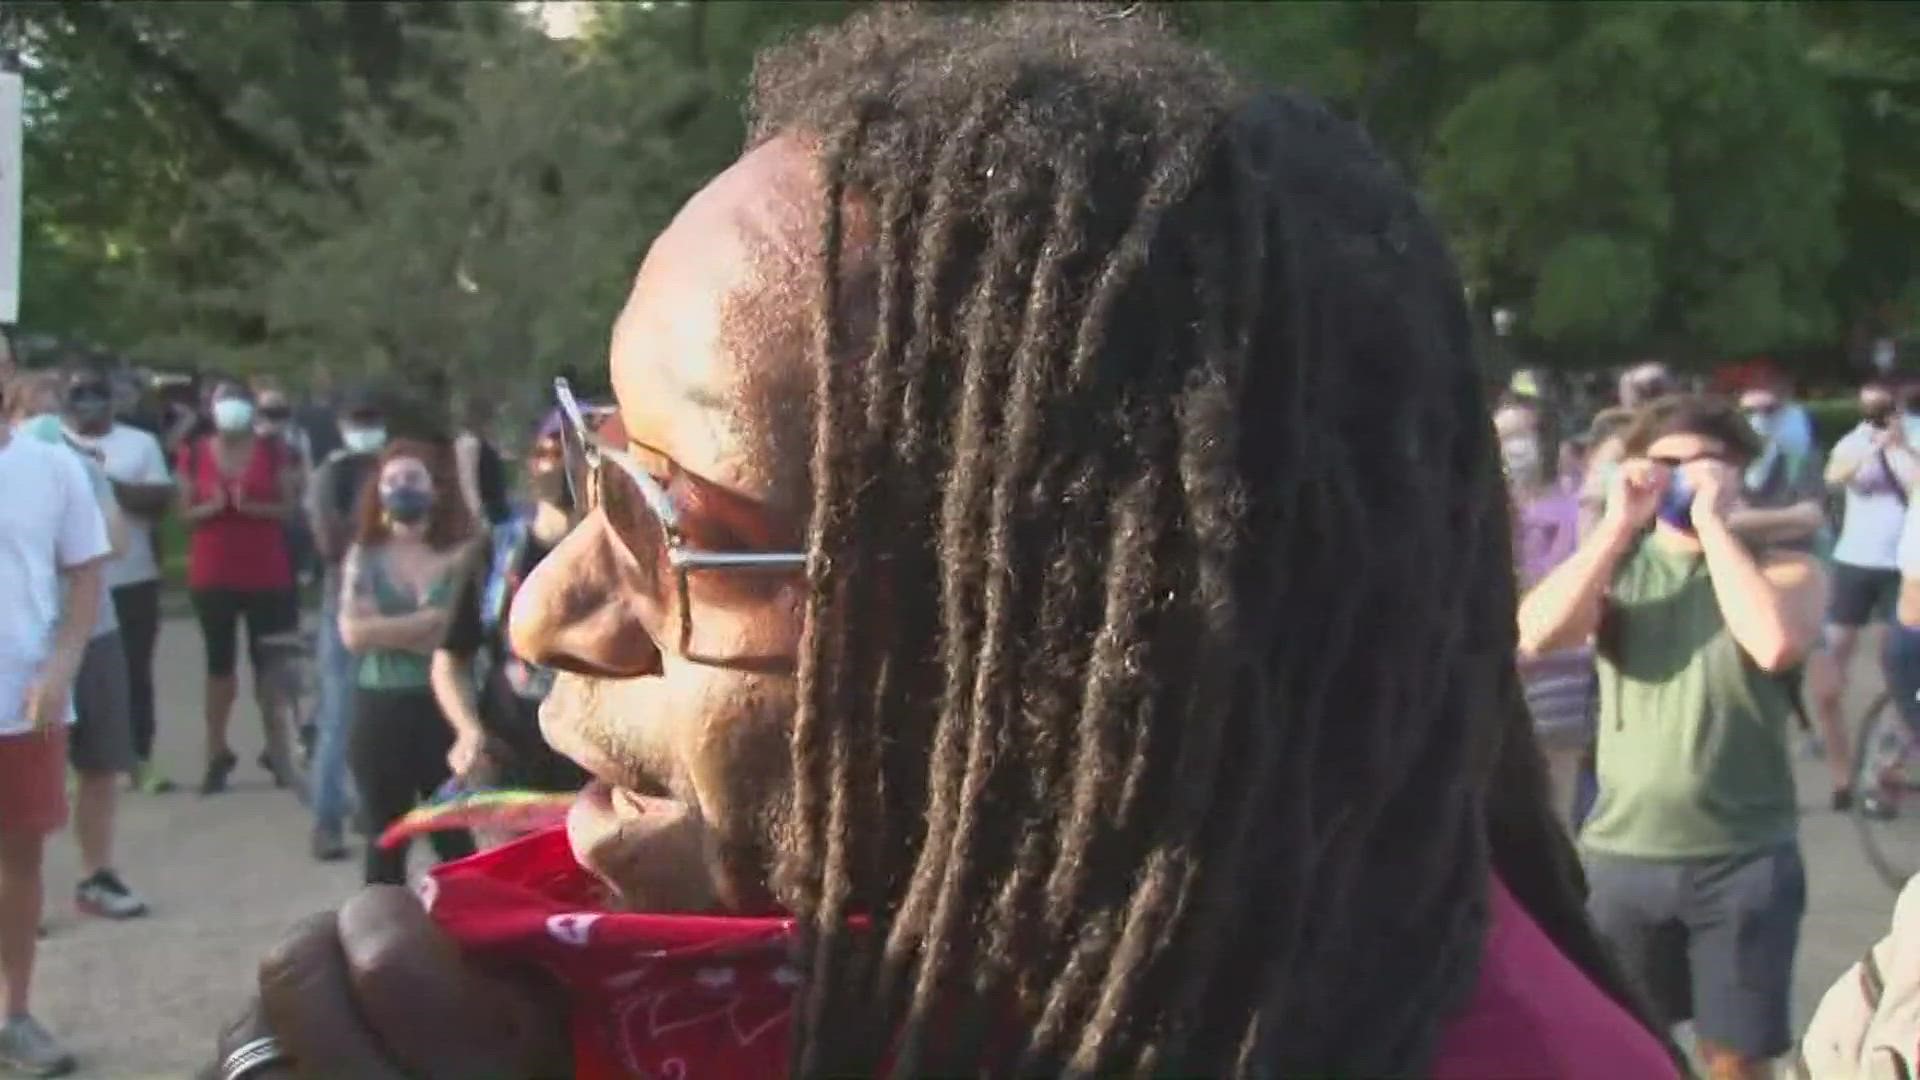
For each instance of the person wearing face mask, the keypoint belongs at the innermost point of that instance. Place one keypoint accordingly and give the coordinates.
(273, 420)
(497, 730)
(1697, 822)
(1546, 517)
(101, 743)
(332, 503)
(398, 582)
(1870, 466)
(1045, 610)
(1784, 506)
(236, 492)
(144, 489)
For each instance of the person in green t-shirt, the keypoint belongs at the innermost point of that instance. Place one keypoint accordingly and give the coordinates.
(1692, 852)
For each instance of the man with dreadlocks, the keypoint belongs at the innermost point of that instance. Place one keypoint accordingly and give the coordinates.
(1046, 608)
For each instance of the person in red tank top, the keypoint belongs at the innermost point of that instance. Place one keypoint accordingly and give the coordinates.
(237, 490)
(1044, 606)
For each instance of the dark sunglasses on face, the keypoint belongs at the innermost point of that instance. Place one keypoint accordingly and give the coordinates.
(89, 394)
(642, 515)
(276, 412)
(1672, 462)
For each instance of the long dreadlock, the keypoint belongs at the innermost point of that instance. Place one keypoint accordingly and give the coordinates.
(1196, 756)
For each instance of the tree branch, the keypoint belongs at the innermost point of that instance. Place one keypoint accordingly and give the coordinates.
(105, 21)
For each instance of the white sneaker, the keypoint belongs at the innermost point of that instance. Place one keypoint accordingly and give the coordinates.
(105, 895)
(26, 1047)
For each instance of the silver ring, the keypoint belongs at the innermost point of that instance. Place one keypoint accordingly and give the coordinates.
(250, 1058)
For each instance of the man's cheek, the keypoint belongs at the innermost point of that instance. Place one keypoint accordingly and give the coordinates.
(739, 754)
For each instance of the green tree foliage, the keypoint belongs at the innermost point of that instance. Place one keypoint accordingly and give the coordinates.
(423, 185)
(141, 117)
(1620, 176)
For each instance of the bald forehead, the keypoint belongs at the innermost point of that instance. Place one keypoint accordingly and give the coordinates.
(710, 349)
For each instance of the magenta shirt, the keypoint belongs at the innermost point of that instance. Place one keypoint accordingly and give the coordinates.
(1536, 1015)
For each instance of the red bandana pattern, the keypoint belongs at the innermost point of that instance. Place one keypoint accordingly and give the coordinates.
(659, 996)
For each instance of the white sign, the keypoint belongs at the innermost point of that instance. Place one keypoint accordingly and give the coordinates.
(9, 197)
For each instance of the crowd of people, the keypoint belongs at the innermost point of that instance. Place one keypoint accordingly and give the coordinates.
(1689, 598)
(414, 546)
(1044, 603)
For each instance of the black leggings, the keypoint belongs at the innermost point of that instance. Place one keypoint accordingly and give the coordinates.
(398, 753)
(266, 611)
(138, 609)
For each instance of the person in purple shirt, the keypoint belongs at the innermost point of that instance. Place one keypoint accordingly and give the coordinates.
(1546, 521)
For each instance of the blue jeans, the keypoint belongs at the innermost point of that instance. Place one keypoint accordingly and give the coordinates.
(332, 719)
(1902, 661)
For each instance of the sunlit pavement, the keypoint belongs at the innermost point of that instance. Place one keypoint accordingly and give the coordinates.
(226, 876)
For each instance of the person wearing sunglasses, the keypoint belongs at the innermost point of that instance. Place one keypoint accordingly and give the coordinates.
(1047, 608)
(1699, 637)
(492, 696)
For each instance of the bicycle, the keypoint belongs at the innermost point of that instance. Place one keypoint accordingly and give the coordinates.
(287, 663)
(1886, 787)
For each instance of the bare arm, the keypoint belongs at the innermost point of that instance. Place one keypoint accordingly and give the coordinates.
(362, 627)
(453, 691)
(1904, 464)
(52, 686)
(1563, 611)
(118, 531)
(1773, 608)
(1844, 464)
(1778, 525)
(144, 500)
(466, 457)
(193, 513)
(79, 613)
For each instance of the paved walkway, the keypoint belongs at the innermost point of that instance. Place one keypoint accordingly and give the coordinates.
(226, 877)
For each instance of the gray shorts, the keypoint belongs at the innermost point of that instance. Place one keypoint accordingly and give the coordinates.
(102, 737)
(1709, 940)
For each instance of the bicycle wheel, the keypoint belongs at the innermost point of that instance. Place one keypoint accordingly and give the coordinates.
(1886, 792)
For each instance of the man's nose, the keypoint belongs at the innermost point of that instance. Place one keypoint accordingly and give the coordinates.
(576, 613)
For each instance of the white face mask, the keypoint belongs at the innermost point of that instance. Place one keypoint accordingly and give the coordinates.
(233, 414)
(1521, 456)
(364, 440)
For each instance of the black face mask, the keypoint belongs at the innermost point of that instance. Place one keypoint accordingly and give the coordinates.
(89, 405)
(551, 487)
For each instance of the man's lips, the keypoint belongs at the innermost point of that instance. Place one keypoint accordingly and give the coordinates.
(601, 797)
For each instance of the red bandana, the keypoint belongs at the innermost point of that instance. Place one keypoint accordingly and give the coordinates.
(683, 996)
(669, 996)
